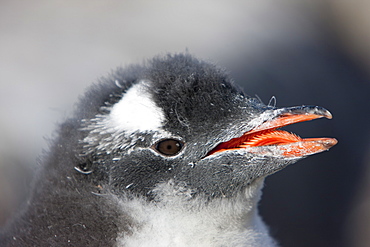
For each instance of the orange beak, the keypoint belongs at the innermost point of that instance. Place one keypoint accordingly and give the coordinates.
(290, 145)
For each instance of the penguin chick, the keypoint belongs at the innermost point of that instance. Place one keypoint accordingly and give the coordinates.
(169, 153)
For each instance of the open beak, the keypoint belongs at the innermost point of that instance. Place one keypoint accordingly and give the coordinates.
(286, 144)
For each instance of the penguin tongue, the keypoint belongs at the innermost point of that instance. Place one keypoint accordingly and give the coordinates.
(284, 143)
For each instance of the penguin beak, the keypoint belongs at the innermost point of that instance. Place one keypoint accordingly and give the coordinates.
(266, 139)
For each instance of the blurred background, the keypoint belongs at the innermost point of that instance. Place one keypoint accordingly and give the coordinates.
(314, 52)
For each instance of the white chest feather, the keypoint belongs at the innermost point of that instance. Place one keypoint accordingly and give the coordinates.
(179, 222)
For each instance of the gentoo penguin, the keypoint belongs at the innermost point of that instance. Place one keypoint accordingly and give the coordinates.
(168, 153)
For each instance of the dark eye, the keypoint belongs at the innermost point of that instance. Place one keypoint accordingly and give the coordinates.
(169, 147)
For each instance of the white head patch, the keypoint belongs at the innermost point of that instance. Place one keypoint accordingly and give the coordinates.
(136, 111)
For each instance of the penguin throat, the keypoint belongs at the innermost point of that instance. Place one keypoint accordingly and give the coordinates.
(257, 139)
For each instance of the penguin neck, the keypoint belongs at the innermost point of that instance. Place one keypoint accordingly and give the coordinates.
(175, 219)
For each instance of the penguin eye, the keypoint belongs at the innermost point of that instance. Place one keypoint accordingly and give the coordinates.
(169, 147)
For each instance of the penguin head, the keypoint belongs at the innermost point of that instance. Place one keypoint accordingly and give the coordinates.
(180, 121)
